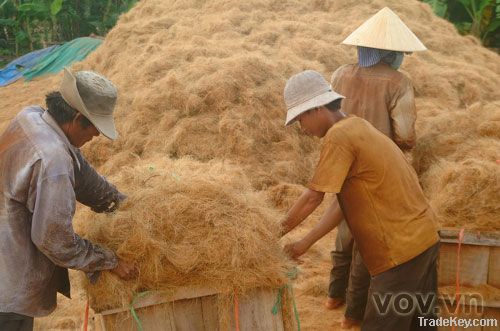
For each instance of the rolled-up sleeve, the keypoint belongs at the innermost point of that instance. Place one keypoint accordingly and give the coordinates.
(92, 189)
(403, 116)
(52, 230)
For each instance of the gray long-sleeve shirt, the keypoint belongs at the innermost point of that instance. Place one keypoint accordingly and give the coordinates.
(41, 176)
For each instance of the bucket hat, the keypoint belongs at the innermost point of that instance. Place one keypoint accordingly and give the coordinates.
(305, 91)
(94, 96)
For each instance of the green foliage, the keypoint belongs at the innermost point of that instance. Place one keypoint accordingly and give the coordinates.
(480, 18)
(55, 7)
(438, 6)
(28, 25)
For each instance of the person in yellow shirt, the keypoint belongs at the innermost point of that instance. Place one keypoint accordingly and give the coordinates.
(376, 91)
(379, 196)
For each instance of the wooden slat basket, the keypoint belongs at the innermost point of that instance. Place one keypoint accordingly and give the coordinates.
(198, 310)
(479, 270)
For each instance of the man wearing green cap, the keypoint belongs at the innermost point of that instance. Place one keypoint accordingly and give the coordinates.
(42, 175)
(379, 196)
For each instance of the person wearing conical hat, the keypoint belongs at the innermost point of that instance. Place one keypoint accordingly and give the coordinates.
(374, 87)
(379, 195)
(42, 175)
(376, 91)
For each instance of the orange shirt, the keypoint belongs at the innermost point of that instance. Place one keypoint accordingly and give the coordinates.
(382, 96)
(379, 193)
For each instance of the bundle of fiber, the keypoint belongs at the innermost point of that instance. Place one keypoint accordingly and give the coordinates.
(456, 135)
(466, 193)
(456, 159)
(186, 224)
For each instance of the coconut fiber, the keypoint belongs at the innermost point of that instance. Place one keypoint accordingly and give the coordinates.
(187, 224)
(200, 102)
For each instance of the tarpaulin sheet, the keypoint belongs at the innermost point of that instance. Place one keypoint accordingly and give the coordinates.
(14, 70)
(62, 56)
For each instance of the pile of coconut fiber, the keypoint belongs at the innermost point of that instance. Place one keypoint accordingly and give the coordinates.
(201, 86)
(187, 224)
(204, 79)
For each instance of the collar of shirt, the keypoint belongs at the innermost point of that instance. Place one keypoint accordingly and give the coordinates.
(53, 124)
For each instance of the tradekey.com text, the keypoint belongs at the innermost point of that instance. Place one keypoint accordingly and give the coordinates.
(457, 322)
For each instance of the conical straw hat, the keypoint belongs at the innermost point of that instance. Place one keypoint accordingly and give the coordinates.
(385, 30)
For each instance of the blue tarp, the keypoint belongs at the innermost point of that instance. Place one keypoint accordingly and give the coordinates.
(64, 55)
(49, 60)
(14, 70)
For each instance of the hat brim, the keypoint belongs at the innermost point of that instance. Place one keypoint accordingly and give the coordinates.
(385, 30)
(318, 101)
(69, 91)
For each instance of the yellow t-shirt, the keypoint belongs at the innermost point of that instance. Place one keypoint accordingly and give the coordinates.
(379, 193)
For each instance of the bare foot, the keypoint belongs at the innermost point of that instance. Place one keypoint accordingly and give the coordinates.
(333, 303)
(348, 323)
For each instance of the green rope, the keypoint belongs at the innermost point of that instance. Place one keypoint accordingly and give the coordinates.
(278, 304)
(132, 309)
(292, 274)
(295, 311)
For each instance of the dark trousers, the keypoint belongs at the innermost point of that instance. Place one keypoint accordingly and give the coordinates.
(15, 322)
(414, 280)
(357, 291)
(349, 277)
